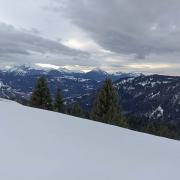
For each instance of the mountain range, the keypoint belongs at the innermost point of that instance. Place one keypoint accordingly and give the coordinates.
(20, 80)
(156, 97)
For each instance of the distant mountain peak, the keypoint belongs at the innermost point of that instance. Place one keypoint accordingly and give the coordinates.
(19, 69)
(98, 70)
(130, 74)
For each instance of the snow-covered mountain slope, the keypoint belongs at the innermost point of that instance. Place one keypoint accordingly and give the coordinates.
(154, 97)
(42, 145)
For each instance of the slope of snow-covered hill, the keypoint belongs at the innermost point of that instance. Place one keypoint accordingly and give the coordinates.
(43, 145)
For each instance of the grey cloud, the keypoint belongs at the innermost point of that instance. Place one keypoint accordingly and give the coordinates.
(135, 31)
(17, 44)
(139, 27)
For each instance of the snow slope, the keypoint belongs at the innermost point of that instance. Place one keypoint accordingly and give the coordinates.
(42, 145)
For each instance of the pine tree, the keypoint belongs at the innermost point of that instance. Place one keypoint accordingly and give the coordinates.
(106, 107)
(41, 97)
(59, 105)
(77, 111)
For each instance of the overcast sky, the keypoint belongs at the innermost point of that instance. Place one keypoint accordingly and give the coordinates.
(115, 35)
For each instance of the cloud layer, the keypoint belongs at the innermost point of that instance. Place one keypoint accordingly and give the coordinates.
(138, 27)
(117, 35)
(16, 44)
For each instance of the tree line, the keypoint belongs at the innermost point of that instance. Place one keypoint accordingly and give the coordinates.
(41, 98)
(106, 109)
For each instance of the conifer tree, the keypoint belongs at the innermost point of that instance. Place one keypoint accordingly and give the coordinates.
(106, 107)
(41, 97)
(77, 111)
(59, 105)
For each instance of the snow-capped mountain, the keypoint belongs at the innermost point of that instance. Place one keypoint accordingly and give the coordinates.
(38, 144)
(26, 69)
(97, 74)
(22, 79)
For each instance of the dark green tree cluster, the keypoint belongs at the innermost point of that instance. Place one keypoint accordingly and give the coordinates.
(59, 104)
(41, 97)
(106, 108)
(159, 128)
(77, 111)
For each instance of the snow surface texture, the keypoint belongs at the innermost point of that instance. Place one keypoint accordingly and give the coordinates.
(42, 145)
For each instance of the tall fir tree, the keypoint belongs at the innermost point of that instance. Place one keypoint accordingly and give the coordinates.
(41, 97)
(106, 108)
(58, 104)
(77, 111)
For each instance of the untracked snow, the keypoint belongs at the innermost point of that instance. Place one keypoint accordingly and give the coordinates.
(41, 145)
